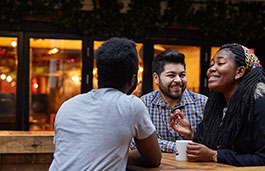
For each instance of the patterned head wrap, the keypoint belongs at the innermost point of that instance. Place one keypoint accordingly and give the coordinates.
(251, 59)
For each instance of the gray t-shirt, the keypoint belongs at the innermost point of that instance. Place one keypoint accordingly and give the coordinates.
(93, 130)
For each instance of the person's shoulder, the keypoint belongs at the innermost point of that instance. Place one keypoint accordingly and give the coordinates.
(69, 105)
(259, 108)
(259, 96)
(74, 98)
(131, 97)
(260, 90)
(133, 104)
(260, 101)
(130, 100)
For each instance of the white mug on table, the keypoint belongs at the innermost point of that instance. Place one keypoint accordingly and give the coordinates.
(181, 149)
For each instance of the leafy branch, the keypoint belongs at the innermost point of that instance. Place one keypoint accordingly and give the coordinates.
(213, 18)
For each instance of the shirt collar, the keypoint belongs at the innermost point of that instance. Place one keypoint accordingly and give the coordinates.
(186, 99)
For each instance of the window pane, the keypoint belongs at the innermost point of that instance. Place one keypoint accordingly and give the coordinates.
(192, 60)
(55, 74)
(139, 48)
(8, 75)
(213, 51)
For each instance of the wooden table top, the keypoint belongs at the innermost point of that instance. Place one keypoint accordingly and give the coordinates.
(26, 133)
(21, 142)
(169, 162)
(42, 142)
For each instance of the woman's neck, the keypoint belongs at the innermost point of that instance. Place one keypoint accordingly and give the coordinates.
(229, 94)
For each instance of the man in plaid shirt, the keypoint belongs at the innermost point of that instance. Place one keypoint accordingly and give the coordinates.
(170, 76)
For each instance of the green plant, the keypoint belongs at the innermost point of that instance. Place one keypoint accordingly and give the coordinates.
(214, 18)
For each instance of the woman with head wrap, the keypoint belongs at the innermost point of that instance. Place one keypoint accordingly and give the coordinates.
(233, 128)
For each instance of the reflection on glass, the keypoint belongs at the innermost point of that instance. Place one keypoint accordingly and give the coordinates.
(139, 48)
(8, 75)
(55, 74)
(192, 60)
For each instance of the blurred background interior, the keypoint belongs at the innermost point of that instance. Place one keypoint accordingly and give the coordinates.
(47, 50)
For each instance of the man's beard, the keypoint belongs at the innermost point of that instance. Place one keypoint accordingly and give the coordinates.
(166, 91)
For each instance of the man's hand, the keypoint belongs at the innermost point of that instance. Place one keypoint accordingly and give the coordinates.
(199, 152)
(181, 124)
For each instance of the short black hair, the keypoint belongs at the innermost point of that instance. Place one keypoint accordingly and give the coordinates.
(170, 56)
(117, 62)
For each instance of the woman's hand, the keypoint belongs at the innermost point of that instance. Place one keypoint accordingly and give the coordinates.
(181, 124)
(199, 152)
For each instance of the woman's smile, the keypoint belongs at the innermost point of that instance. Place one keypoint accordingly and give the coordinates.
(213, 78)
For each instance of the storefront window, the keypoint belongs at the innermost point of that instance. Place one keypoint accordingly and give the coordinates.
(55, 74)
(139, 48)
(213, 51)
(192, 60)
(8, 77)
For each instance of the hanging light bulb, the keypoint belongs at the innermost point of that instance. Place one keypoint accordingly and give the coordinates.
(3, 76)
(14, 44)
(9, 78)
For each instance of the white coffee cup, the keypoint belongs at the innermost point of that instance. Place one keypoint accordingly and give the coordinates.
(181, 149)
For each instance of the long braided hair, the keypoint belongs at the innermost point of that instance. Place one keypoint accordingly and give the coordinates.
(218, 132)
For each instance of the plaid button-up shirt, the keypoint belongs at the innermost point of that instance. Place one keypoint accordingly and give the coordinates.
(191, 105)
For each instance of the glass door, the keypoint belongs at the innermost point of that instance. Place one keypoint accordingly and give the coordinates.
(8, 77)
(55, 76)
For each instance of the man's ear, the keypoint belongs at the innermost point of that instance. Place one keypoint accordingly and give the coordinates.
(156, 78)
(240, 72)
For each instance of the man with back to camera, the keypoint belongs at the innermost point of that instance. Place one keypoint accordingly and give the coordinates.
(170, 76)
(93, 130)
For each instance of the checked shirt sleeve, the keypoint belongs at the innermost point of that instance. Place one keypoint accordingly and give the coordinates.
(166, 146)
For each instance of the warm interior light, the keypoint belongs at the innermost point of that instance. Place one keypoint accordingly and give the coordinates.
(95, 70)
(13, 84)
(158, 47)
(9, 78)
(53, 51)
(3, 76)
(35, 85)
(50, 43)
(141, 69)
(14, 44)
(75, 78)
